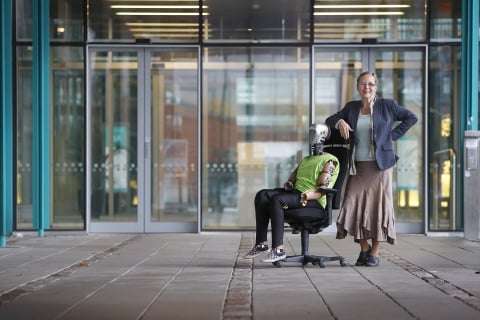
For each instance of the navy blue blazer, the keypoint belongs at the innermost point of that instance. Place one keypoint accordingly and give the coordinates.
(386, 113)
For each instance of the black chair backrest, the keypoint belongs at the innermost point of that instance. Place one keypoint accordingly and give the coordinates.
(342, 149)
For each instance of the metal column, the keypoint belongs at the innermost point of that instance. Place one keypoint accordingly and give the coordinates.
(41, 115)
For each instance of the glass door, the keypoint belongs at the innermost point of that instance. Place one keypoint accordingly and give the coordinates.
(142, 147)
(171, 139)
(401, 74)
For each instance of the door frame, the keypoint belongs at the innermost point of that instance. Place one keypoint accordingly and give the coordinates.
(144, 152)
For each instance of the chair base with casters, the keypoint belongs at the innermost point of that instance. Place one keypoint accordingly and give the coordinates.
(308, 221)
(305, 258)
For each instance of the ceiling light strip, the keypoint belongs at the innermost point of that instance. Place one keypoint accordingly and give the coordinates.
(363, 6)
(156, 30)
(393, 13)
(154, 7)
(130, 1)
(161, 24)
(159, 14)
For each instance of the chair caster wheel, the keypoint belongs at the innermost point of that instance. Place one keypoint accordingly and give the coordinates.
(277, 264)
(343, 263)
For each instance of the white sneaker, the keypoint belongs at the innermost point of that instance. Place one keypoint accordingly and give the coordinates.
(275, 255)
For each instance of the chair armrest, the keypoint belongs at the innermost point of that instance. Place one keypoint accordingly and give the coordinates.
(329, 192)
(326, 190)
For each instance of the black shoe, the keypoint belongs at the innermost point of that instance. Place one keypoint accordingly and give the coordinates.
(372, 261)
(362, 257)
(256, 251)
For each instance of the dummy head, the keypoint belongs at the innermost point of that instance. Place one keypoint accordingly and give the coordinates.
(318, 133)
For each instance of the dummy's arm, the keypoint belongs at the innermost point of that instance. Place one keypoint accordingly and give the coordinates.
(326, 176)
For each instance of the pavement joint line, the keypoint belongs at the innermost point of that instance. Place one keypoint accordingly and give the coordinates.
(168, 283)
(238, 299)
(434, 280)
(38, 283)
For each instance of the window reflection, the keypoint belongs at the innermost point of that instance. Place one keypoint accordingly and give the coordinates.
(156, 20)
(255, 124)
(400, 74)
(68, 147)
(174, 121)
(444, 141)
(66, 20)
(113, 145)
(257, 20)
(397, 20)
(24, 20)
(446, 20)
(24, 145)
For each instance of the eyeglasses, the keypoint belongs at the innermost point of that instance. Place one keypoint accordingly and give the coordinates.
(367, 84)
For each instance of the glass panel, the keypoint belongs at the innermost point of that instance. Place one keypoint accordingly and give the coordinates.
(113, 139)
(385, 21)
(68, 147)
(158, 20)
(24, 20)
(444, 145)
(24, 146)
(255, 125)
(335, 78)
(174, 96)
(66, 20)
(259, 20)
(401, 77)
(446, 20)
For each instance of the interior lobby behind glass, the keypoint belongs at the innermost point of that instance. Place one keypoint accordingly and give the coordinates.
(232, 88)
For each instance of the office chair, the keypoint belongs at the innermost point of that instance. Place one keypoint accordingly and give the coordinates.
(308, 221)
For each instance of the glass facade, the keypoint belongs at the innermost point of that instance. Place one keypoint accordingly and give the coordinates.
(66, 20)
(255, 112)
(369, 21)
(24, 146)
(173, 116)
(67, 115)
(67, 135)
(400, 72)
(444, 143)
(444, 113)
(194, 106)
(258, 21)
(445, 21)
(113, 135)
(156, 21)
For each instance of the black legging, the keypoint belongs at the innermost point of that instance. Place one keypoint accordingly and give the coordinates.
(269, 205)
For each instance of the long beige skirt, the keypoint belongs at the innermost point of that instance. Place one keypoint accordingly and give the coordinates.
(367, 209)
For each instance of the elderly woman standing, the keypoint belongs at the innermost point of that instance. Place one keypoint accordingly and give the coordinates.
(367, 211)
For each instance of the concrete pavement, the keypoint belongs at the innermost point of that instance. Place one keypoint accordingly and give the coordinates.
(203, 276)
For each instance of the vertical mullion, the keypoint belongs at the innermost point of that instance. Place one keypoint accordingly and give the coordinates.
(41, 115)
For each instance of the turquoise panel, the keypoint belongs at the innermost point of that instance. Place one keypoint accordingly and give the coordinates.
(6, 190)
(41, 116)
(470, 13)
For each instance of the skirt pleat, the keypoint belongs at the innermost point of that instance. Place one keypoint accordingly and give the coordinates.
(367, 209)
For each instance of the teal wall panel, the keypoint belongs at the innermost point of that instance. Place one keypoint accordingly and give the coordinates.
(41, 116)
(6, 189)
(470, 12)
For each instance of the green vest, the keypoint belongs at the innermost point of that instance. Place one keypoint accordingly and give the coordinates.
(310, 169)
